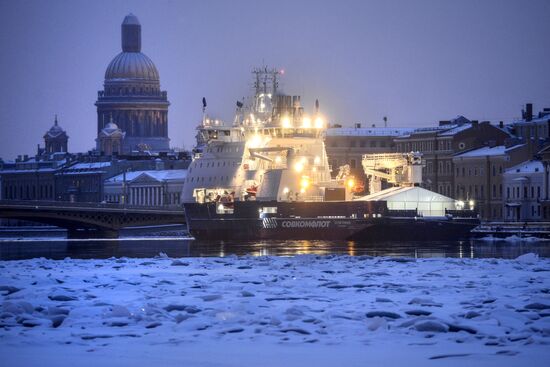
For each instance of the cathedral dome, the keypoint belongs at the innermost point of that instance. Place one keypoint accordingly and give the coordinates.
(55, 130)
(111, 129)
(131, 64)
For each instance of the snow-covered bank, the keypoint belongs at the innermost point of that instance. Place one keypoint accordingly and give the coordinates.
(246, 311)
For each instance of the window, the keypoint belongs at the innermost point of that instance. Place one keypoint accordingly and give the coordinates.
(538, 192)
(508, 193)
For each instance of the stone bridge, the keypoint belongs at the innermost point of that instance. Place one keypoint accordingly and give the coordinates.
(80, 219)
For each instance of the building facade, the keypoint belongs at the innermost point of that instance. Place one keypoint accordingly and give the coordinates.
(479, 176)
(132, 97)
(524, 187)
(533, 126)
(146, 188)
(32, 178)
(439, 144)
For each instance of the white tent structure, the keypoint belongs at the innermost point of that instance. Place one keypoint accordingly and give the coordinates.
(428, 203)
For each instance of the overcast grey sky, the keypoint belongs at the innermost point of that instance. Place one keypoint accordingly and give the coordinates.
(417, 62)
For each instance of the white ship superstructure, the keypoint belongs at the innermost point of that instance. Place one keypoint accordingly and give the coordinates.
(272, 151)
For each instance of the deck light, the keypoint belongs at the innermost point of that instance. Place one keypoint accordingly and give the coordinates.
(286, 122)
(306, 122)
(319, 123)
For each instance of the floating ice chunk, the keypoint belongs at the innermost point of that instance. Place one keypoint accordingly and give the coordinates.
(119, 311)
(296, 330)
(386, 314)
(457, 327)
(377, 323)
(537, 306)
(186, 308)
(432, 326)
(57, 320)
(211, 297)
(471, 315)
(528, 259)
(55, 311)
(179, 263)
(424, 302)
(418, 313)
(30, 322)
(17, 308)
(6, 290)
(62, 298)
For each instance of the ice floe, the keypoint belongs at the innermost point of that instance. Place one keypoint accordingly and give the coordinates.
(493, 310)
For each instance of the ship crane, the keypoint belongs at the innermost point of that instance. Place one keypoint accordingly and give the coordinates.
(400, 169)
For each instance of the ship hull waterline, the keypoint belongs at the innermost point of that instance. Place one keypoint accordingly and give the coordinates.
(378, 229)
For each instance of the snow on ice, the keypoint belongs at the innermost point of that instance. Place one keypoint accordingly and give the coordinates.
(273, 311)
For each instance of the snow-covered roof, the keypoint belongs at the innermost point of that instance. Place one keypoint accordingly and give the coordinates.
(90, 166)
(487, 151)
(526, 167)
(455, 130)
(427, 130)
(375, 131)
(160, 175)
(534, 120)
(484, 151)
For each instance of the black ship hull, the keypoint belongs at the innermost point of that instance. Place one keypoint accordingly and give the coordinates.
(362, 221)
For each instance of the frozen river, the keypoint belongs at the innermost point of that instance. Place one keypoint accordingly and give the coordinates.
(172, 301)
